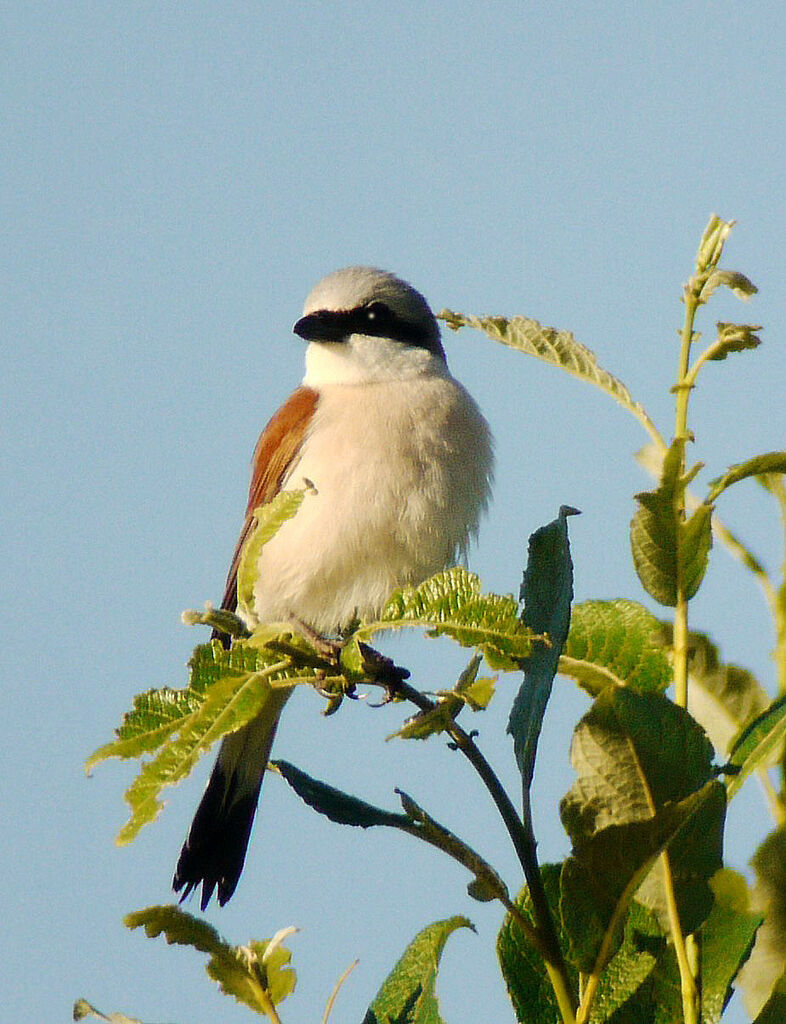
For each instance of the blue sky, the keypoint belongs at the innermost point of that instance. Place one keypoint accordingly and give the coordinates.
(176, 178)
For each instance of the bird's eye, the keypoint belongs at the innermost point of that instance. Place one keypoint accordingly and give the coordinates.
(376, 311)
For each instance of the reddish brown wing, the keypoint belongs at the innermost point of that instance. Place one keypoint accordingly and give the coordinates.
(276, 448)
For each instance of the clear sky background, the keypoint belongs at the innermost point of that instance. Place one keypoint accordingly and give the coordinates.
(176, 177)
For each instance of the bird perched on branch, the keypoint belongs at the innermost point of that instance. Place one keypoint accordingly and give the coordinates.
(399, 461)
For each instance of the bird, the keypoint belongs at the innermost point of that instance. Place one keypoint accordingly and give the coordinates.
(398, 460)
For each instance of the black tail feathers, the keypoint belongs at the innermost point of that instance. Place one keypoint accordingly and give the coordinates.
(215, 848)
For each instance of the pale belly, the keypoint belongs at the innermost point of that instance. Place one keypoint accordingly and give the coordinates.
(396, 499)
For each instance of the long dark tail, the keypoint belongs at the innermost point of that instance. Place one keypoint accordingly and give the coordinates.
(215, 849)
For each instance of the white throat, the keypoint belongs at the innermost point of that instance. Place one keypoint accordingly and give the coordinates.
(362, 359)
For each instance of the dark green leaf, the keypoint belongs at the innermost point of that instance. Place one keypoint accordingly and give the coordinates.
(653, 533)
(408, 995)
(633, 754)
(487, 884)
(725, 940)
(547, 590)
(527, 980)
(523, 967)
(604, 871)
(696, 541)
(333, 803)
(615, 643)
(774, 1010)
(627, 975)
(349, 810)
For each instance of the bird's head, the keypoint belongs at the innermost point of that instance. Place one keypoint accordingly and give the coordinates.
(365, 325)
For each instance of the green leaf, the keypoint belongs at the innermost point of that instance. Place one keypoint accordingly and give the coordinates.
(696, 541)
(227, 688)
(725, 940)
(653, 533)
(353, 662)
(763, 978)
(428, 723)
(628, 974)
(656, 536)
(451, 604)
(559, 348)
(604, 871)
(231, 703)
(527, 981)
(256, 975)
(546, 591)
(771, 462)
(633, 755)
(478, 696)
(155, 716)
(758, 742)
(408, 995)
(615, 643)
(217, 618)
(269, 518)
(471, 690)
(523, 967)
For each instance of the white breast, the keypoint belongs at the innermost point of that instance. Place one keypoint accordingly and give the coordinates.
(402, 474)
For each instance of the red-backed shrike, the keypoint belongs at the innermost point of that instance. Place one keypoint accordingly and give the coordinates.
(399, 457)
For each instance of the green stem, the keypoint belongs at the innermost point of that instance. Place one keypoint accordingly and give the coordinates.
(692, 300)
(690, 1009)
(587, 998)
(684, 386)
(562, 992)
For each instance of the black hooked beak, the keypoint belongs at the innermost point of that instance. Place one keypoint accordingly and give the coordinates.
(324, 325)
